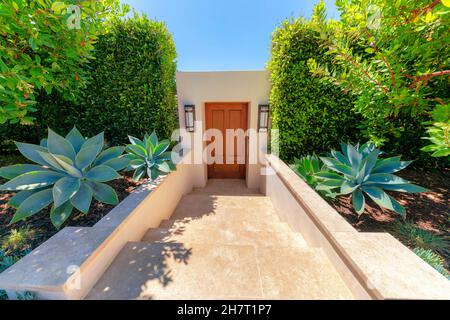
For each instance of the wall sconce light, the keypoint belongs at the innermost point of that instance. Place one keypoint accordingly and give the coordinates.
(263, 117)
(189, 112)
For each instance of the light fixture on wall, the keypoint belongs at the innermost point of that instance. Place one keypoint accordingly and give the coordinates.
(189, 112)
(263, 117)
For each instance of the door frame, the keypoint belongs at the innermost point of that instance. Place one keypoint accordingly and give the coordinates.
(247, 106)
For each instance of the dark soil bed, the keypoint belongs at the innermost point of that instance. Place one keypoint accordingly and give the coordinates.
(429, 211)
(40, 225)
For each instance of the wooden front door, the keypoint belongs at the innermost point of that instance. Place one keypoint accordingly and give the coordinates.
(230, 162)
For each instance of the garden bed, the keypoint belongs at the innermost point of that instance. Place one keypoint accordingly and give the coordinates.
(30, 233)
(427, 213)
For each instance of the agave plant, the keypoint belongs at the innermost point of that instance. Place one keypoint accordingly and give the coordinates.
(69, 172)
(359, 171)
(307, 168)
(149, 157)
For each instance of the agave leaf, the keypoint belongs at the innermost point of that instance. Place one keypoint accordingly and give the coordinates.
(109, 154)
(117, 164)
(137, 150)
(154, 173)
(31, 152)
(355, 158)
(20, 197)
(335, 165)
(102, 173)
(154, 139)
(340, 157)
(165, 156)
(104, 193)
(83, 198)
(33, 205)
(136, 141)
(67, 165)
(87, 156)
(390, 165)
(64, 189)
(370, 161)
(32, 180)
(358, 201)
(335, 183)
(383, 199)
(10, 172)
(329, 175)
(44, 143)
(161, 148)
(59, 215)
(163, 167)
(139, 173)
(76, 139)
(59, 145)
(50, 160)
(348, 187)
(410, 188)
(97, 140)
(385, 178)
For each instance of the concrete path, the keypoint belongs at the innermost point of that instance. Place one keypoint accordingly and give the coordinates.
(222, 242)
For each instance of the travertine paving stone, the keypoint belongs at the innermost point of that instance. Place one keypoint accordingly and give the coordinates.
(222, 242)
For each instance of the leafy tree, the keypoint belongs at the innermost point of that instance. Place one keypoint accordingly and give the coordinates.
(393, 55)
(45, 45)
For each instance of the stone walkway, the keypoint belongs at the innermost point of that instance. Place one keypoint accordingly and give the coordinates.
(222, 242)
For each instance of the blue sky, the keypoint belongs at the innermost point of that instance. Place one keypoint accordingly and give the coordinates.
(220, 35)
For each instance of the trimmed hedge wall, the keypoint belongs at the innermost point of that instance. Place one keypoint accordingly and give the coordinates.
(132, 90)
(311, 116)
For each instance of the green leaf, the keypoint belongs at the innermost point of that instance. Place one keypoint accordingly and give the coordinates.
(60, 146)
(33, 205)
(59, 215)
(390, 165)
(161, 148)
(383, 199)
(31, 152)
(67, 165)
(76, 139)
(410, 188)
(348, 187)
(154, 173)
(87, 156)
(97, 140)
(153, 139)
(163, 167)
(102, 173)
(117, 164)
(139, 173)
(83, 198)
(137, 150)
(32, 180)
(104, 193)
(109, 154)
(64, 189)
(20, 197)
(358, 201)
(136, 141)
(10, 172)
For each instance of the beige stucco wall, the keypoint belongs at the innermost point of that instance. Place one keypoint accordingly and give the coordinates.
(198, 88)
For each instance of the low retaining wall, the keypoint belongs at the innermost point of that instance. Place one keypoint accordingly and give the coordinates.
(69, 264)
(373, 265)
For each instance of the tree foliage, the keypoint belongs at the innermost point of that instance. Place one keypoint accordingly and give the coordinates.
(393, 55)
(46, 45)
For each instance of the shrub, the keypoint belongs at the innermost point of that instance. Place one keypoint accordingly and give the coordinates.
(69, 172)
(358, 171)
(312, 116)
(17, 241)
(41, 50)
(132, 90)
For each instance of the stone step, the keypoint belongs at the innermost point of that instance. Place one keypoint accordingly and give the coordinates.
(226, 236)
(226, 223)
(210, 271)
(226, 187)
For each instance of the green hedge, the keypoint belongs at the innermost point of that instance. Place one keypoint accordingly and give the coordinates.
(312, 116)
(132, 90)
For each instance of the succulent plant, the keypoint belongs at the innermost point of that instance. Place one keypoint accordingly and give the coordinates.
(69, 172)
(149, 157)
(307, 168)
(359, 171)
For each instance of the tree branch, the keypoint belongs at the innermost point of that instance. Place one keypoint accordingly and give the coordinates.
(427, 77)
